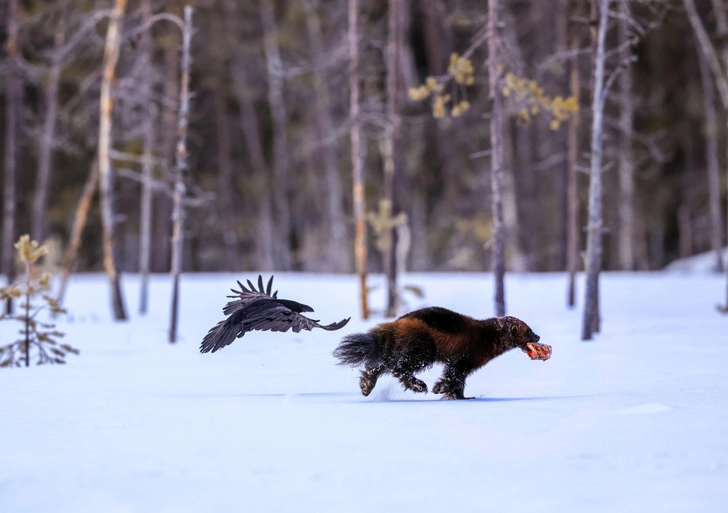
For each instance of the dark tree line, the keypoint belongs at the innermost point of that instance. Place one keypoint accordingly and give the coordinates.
(278, 111)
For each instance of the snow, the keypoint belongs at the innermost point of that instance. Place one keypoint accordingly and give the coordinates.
(635, 421)
(701, 263)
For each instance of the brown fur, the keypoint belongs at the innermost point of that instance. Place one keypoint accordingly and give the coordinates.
(431, 335)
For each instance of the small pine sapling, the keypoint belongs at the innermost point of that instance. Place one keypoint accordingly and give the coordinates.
(383, 223)
(37, 337)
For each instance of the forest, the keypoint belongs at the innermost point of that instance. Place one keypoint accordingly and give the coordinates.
(415, 136)
(539, 185)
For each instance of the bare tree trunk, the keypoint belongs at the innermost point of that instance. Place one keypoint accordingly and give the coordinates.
(721, 80)
(685, 230)
(626, 155)
(162, 210)
(357, 159)
(392, 147)
(265, 228)
(591, 319)
(251, 136)
(562, 15)
(496, 159)
(280, 139)
(711, 135)
(79, 223)
(106, 179)
(572, 246)
(45, 156)
(714, 181)
(13, 99)
(145, 215)
(224, 147)
(337, 252)
(179, 182)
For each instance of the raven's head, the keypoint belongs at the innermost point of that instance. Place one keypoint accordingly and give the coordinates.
(294, 306)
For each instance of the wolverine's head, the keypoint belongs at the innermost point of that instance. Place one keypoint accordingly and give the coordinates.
(522, 336)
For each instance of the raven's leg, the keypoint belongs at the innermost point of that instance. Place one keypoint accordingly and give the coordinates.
(369, 378)
(452, 382)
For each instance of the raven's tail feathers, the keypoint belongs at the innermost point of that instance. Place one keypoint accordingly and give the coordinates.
(335, 325)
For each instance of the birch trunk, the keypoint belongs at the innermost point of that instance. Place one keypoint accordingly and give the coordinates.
(106, 179)
(572, 246)
(719, 74)
(179, 182)
(562, 26)
(280, 139)
(12, 103)
(45, 155)
(79, 223)
(496, 171)
(161, 257)
(626, 155)
(265, 228)
(357, 158)
(711, 135)
(336, 251)
(145, 215)
(226, 186)
(722, 21)
(591, 319)
(392, 147)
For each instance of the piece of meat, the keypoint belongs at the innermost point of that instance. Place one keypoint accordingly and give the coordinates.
(538, 351)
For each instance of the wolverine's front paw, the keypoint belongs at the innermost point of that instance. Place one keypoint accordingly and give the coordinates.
(439, 388)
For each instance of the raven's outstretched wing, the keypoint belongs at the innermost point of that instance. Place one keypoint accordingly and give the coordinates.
(257, 309)
(277, 317)
(246, 296)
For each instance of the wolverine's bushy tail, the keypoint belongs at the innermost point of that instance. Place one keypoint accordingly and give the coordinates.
(358, 348)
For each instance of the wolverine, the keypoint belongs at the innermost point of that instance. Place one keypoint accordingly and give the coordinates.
(419, 339)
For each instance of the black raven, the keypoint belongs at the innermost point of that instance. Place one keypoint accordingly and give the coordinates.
(257, 309)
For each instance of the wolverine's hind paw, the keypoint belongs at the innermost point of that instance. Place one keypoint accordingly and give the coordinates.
(366, 387)
(416, 385)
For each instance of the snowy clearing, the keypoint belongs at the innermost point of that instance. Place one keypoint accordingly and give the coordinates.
(702, 263)
(634, 422)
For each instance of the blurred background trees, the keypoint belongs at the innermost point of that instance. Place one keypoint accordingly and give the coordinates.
(269, 151)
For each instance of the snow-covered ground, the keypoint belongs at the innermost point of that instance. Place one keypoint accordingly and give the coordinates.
(701, 263)
(636, 421)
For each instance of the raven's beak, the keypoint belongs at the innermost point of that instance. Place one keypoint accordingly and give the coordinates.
(306, 308)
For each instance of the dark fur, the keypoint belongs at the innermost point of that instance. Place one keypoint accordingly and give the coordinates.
(417, 340)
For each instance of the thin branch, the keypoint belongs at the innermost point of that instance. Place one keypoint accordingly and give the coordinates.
(708, 50)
